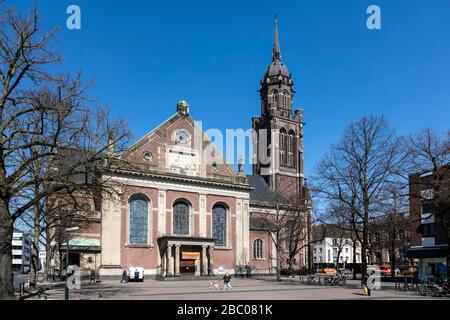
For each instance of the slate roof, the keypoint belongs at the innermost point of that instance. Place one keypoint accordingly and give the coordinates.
(261, 192)
(82, 164)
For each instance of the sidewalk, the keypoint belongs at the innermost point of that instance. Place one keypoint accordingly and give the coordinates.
(297, 280)
(43, 287)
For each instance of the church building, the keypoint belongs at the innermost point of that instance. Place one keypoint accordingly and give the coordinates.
(182, 210)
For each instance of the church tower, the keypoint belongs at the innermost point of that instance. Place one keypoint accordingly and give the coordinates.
(278, 144)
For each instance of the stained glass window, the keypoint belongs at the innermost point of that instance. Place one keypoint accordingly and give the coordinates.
(258, 249)
(181, 218)
(219, 225)
(138, 220)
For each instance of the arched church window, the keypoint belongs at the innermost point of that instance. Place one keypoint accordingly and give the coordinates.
(258, 249)
(283, 138)
(181, 218)
(138, 220)
(219, 225)
(274, 96)
(290, 148)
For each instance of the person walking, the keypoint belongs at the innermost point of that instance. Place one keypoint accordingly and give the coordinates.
(92, 278)
(368, 283)
(364, 281)
(226, 282)
(136, 276)
(124, 277)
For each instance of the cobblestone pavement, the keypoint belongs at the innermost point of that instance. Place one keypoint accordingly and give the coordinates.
(243, 289)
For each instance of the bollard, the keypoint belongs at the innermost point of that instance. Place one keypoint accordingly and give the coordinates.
(404, 287)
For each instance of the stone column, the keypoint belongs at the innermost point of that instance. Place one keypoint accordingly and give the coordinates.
(177, 259)
(211, 260)
(197, 268)
(169, 263)
(161, 212)
(204, 262)
(164, 265)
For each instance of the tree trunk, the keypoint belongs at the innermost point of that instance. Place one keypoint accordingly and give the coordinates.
(278, 263)
(46, 275)
(354, 259)
(6, 234)
(364, 248)
(392, 257)
(291, 263)
(35, 247)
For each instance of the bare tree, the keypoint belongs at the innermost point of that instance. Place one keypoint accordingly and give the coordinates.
(355, 171)
(391, 227)
(43, 117)
(336, 221)
(286, 220)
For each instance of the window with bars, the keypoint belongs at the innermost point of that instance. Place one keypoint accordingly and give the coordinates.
(258, 249)
(181, 218)
(138, 220)
(219, 225)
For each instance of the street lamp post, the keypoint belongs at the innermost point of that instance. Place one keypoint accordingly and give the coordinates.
(66, 289)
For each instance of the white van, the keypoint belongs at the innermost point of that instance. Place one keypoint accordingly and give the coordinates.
(132, 271)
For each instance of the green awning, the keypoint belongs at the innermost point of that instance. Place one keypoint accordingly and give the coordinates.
(83, 244)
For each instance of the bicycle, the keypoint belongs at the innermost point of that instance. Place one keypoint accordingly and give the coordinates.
(313, 281)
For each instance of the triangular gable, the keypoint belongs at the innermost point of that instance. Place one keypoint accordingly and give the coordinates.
(157, 140)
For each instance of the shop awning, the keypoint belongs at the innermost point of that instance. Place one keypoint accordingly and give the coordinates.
(83, 244)
(428, 252)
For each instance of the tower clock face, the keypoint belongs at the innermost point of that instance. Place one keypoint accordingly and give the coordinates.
(183, 136)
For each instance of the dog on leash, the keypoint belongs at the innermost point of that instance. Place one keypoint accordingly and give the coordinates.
(214, 285)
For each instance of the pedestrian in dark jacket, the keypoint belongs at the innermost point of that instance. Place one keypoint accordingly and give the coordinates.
(92, 277)
(136, 276)
(226, 282)
(124, 277)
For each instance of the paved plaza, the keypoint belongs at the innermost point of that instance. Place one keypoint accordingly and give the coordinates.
(243, 289)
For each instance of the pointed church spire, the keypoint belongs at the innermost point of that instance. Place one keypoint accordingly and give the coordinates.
(276, 54)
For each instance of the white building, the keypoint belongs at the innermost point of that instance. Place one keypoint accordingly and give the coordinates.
(328, 249)
(21, 251)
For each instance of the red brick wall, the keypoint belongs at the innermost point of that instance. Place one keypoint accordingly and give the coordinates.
(223, 257)
(415, 210)
(141, 257)
(267, 250)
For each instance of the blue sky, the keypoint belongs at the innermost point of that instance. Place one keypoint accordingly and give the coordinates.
(146, 55)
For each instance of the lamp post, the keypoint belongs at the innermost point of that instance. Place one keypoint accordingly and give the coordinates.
(66, 289)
